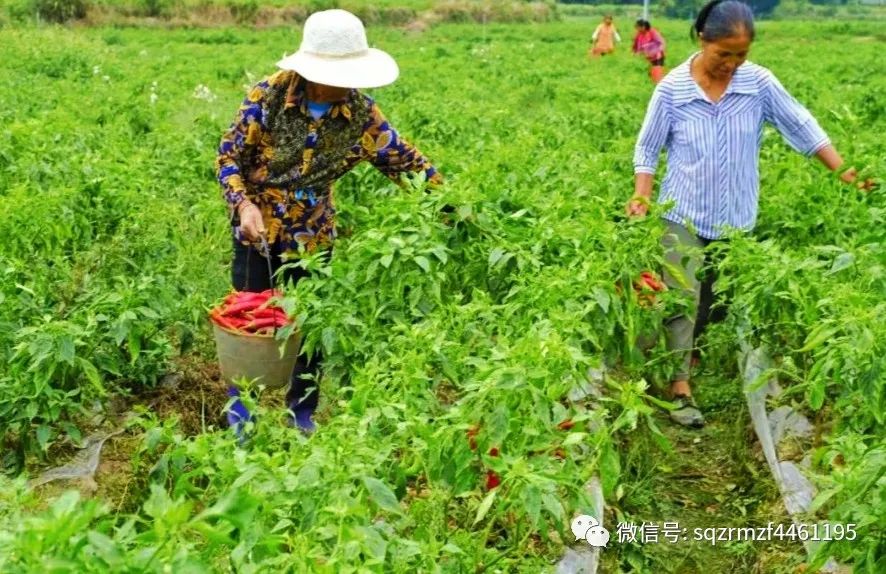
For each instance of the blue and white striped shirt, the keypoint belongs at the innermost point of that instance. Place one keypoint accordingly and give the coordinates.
(714, 148)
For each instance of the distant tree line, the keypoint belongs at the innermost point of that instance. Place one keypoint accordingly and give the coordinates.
(688, 8)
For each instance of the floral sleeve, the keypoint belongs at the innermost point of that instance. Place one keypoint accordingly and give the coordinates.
(238, 145)
(391, 154)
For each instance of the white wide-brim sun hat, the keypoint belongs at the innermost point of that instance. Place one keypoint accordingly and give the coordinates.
(334, 51)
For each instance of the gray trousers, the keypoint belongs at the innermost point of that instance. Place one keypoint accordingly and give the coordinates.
(687, 271)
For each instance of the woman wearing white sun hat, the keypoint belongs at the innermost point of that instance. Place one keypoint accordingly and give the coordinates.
(295, 134)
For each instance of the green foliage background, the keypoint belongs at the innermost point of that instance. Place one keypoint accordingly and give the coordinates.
(114, 243)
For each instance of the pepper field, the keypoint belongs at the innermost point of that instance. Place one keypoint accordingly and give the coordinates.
(446, 342)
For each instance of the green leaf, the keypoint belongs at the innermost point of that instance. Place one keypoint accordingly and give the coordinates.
(91, 373)
(66, 351)
(104, 547)
(135, 346)
(822, 497)
(610, 468)
(386, 260)
(660, 439)
(423, 262)
(148, 313)
(532, 504)
(574, 438)
(72, 431)
(678, 273)
(841, 262)
(660, 403)
(451, 549)
(328, 338)
(382, 495)
(374, 542)
(816, 337)
(43, 435)
(815, 394)
(552, 505)
(602, 299)
(485, 505)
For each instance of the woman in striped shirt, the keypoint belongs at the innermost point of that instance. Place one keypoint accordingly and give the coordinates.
(708, 114)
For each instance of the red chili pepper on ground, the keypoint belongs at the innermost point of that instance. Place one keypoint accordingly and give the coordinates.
(566, 424)
(472, 437)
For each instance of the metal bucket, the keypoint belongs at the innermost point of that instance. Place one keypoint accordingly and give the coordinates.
(255, 357)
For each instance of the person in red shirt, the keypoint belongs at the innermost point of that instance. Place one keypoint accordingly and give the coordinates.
(650, 44)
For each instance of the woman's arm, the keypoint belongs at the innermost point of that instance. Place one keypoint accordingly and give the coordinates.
(792, 119)
(653, 137)
(391, 154)
(830, 157)
(243, 135)
(639, 203)
(802, 131)
(236, 144)
(659, 39)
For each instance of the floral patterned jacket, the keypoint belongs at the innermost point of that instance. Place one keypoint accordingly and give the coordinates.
(285, 162)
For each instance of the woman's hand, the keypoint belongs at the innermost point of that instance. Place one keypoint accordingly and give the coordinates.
(252, 226)
(851, 175)
(638, 206)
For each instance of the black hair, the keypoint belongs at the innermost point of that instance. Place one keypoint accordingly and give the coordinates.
(643, 23)
(720, 19)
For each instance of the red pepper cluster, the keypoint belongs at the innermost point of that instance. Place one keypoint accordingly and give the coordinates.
(248, 313)
(646, 286)
(493, 480)
(649, 280)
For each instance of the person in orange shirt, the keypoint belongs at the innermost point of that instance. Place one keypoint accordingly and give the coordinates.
(604, 38)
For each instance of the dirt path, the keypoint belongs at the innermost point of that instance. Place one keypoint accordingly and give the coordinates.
(715, 477)
(192, 393)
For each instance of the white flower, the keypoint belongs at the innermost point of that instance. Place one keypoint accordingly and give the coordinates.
(96, 70)
(202, 92)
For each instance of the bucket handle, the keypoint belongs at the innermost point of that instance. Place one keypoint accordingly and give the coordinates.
(265, 250)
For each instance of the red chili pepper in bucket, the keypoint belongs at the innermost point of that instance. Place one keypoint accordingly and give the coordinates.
(249, 313)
